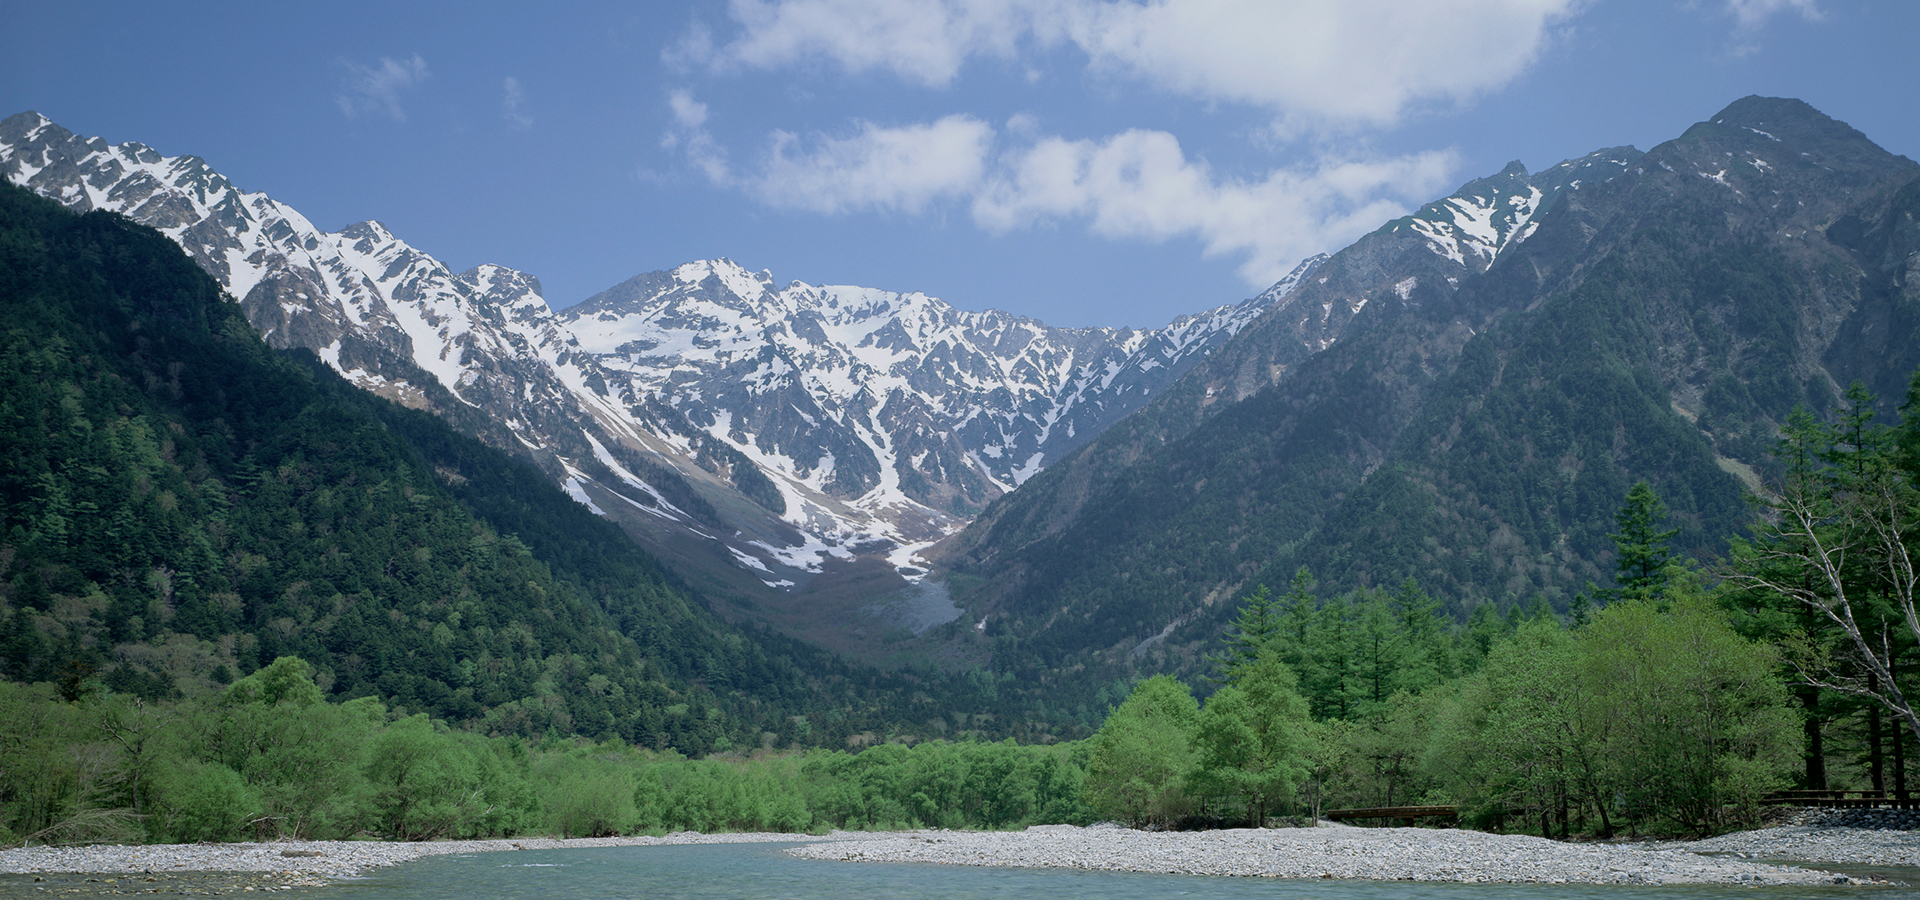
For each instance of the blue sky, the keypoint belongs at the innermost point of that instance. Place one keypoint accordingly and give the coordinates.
(1084, 162)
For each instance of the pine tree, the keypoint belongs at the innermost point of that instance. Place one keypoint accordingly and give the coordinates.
(1254, 628)
(1641, 570)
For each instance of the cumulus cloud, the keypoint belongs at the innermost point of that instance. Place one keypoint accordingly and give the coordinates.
(1327, 60)
(376, 89)
(1141, 184)
(899, 169)
(513, 104)
(1136, 185)
(925, 41)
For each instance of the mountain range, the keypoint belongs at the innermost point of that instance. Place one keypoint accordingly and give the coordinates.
(1657, 319)
(1459, 398)
(751, 433)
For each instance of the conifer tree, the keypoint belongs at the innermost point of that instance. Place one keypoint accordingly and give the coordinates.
(1253, 628)
(1641, 570)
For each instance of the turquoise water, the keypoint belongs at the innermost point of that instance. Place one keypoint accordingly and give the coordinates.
(762, 872)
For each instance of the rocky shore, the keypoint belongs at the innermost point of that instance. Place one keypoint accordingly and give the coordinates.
(282, 864)
(1384, 854)
(1328, 851)
(1853, 837)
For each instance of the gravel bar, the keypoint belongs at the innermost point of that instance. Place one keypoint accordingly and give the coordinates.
(1859, 837)
(312, 863)
(1328, 851)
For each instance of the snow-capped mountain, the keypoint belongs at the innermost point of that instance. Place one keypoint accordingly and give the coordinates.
(379, 311)
(1416, 259)
(792, 425)
(877, 397)
(707, 407)
(480, 347)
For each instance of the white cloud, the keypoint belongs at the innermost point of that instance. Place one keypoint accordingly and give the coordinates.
(1140, 184)
(898, 169)
(1136, 185)
(377, 89)
(513, 105)
(921, 40)
(888, 169)
(689, 134)
(1327, 60)
(1359, 60)
(1751, 14)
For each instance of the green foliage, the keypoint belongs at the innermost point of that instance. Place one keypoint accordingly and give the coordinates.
(1644, 716)
(180, 506)
(1253, 737)
(202, 801)
(586, 794)
(1144, 754)
(1641, 547)
(238, 766)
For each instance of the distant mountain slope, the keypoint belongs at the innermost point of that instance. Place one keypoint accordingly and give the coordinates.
(1414, 260)
(871, 396)
(1655, 324)
(179, 505)
(892, 417)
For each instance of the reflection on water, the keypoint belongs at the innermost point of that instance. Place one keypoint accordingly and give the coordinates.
(762, 872)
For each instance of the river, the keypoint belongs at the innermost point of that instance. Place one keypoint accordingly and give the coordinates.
(762, 872)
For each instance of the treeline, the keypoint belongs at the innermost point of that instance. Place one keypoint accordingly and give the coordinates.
(1673, 700)
(270, 757)
(1653, 714)
(180, 506)
(1666, 702)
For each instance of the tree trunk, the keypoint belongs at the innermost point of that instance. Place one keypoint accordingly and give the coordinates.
(1876, 759)
(1816, 748)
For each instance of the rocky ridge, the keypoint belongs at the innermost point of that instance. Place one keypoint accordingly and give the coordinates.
(880, 437)
(735, 425)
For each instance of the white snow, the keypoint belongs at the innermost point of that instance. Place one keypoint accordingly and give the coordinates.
(749, 560)
(579, 495)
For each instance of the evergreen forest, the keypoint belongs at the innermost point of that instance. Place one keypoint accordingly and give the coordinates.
(241, 599)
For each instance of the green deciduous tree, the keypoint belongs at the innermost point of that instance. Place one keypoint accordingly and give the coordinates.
(1644, 715)
(1143, 756)
(1253, 737)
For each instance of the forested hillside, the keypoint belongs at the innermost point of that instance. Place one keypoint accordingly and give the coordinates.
(179, 506)
(1658, 325)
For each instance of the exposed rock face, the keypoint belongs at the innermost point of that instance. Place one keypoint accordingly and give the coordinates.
(1633, 317)
(792, 425)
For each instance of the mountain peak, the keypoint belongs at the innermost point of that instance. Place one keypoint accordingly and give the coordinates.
(1789, 121)
(1754, 110)
(24, 122)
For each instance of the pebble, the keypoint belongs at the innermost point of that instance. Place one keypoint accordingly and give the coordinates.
(1327, 851)
(311, 863)
(1852, 837)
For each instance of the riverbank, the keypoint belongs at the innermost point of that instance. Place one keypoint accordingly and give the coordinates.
(1857, 837)
(1328, 851)
(313, 863)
